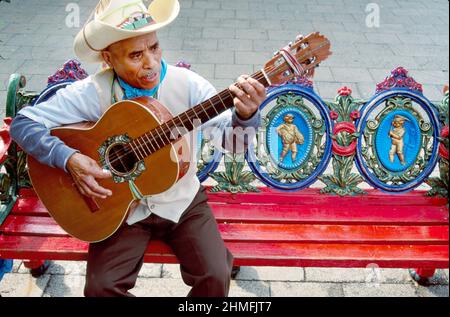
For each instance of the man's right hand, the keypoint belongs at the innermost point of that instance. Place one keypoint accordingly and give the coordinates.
(84, 171)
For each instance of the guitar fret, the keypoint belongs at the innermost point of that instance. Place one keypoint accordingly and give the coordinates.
(158, 146)
(142, 147)
(193, 110)
(222, 101)
(212, 104)
(192, 125)
(170, 132)
(206, 111)
(149, 141)
(159, 135)
(266, 77)
(137, 147)
(176, 125)
(165, 134)
(134, 151)
(141, 141)
(145, 143)
(230, 93)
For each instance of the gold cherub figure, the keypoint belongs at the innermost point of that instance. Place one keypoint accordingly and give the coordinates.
(290, 136)
(396, 134)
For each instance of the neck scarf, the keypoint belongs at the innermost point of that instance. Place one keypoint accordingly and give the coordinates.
(131, 92)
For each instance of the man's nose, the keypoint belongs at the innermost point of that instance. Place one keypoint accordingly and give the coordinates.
(149, 60)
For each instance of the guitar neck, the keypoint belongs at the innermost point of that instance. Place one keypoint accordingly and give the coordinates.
(172, 130)
(210, 108)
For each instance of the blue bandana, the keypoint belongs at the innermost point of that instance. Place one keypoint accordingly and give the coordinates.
(132, 92)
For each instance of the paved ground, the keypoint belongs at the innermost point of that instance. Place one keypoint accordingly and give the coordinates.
(222, 39)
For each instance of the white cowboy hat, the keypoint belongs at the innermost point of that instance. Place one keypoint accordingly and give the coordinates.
(117, 20)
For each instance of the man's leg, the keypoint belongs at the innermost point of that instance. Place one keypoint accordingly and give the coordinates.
(113, 264)
(205, 262)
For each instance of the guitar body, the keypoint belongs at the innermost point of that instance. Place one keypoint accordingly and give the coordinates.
(96, 219)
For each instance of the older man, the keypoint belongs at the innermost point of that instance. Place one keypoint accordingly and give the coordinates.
(123, 34)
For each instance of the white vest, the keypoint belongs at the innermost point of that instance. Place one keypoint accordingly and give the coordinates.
(176, 93)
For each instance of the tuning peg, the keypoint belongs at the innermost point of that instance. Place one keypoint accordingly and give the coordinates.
(299, 37)
(290, 44)
(276, 53)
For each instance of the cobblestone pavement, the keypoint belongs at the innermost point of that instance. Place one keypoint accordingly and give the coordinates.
(222, 39)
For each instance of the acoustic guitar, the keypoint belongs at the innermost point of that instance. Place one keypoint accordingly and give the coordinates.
(141, 152)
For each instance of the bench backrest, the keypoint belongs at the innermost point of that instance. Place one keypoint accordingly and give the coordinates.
(393, 141)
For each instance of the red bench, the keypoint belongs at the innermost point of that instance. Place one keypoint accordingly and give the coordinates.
(268, 228)
(271, 228)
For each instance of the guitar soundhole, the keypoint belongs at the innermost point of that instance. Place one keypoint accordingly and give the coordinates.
(121, 159)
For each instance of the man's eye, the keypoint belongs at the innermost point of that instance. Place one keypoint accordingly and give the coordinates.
(136, 56)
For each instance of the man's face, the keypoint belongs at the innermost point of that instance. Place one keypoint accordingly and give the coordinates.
(136, 60)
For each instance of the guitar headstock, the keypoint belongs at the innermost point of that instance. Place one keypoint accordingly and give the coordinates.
(298, 58)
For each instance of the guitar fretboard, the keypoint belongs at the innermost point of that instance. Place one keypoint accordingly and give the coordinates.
(172, 130)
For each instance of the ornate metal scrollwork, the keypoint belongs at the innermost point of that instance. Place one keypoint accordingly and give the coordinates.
(439, 185)
(397, 149)
(208, 157)
(344, 111)
(234, 179)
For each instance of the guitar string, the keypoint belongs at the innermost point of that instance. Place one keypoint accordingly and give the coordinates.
(257, 76)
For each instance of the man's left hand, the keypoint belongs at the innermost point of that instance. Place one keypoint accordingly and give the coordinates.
(248, 99)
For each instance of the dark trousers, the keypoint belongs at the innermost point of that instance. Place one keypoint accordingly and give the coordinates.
(113, 264)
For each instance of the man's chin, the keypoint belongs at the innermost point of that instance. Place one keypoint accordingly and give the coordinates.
(147, 85)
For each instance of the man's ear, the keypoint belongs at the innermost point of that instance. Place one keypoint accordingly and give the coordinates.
(107, 58)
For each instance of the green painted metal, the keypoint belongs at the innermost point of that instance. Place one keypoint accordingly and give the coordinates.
(343, 182)
(439, 185)
(16, 174)
(234, 179)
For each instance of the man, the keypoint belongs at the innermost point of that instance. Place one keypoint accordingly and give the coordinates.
(122, 34)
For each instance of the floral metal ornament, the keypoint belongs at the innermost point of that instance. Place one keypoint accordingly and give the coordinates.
(398, 145)
(399, 79)
(291, 149)
(439, 185)
(71, 71)
(344, 111)
(234, 179)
